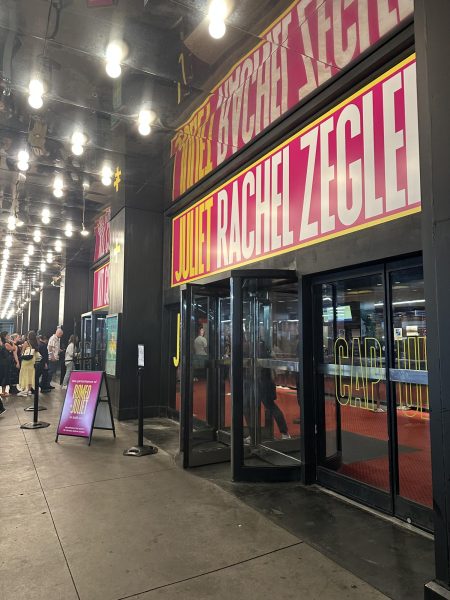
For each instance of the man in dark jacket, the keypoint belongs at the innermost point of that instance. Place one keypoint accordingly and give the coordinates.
(43, 365)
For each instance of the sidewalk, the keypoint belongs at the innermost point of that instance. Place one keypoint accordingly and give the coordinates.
(86, 522)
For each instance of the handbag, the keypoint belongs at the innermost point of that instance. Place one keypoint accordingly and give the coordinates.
(27, 356)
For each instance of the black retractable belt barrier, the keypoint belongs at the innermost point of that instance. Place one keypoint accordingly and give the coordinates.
(140, 449)
(35, 424)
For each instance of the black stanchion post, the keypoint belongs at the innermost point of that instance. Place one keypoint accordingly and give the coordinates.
(140, 449)
(35, 424)
(37, 374)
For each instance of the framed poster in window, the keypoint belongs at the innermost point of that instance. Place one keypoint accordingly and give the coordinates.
(112, 344)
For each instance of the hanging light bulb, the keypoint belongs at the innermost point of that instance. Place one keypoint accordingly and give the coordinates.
(84, 232)
(145, 118)
(49, 257)
(36, 91)
(6, 253)
(107, 175)
(217, 29)
(22, 160)
(114, 55)
(78, 143)
(37, 236)
(45, 216)
(11, 222)
(58, 245)
(8, 240)
(58, 186)
(30, 250)
(217, 13)
(68, 230)
(26, 260)
(19, 222)
(43, 267)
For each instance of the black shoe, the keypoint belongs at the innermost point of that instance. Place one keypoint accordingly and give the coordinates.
(50, 387)
(47, 391)
(2, 411)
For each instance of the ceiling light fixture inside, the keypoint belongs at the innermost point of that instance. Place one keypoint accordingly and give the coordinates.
(114, 55)
(145, 118)
(107, 175)
(78, 143)
(45, 216)
(217, 13)
(68, 230)
(36, 91)
(11, 222)
(58, 186)
(23, 160)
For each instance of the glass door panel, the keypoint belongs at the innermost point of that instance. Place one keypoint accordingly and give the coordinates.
(409, 377)
(224, 368)
(203, 385)
(372, 401)
(100, 342)
(352, 398)
(86, 341)
(266, 438)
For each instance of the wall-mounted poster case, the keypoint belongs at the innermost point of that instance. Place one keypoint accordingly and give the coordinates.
(112, 364)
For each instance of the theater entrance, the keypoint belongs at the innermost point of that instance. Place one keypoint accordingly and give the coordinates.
(240, 375)
(371, 388)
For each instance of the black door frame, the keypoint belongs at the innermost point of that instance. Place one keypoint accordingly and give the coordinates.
(389, 502)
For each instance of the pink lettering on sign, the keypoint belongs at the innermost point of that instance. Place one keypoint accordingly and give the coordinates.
(354, 167)
(102, 235)
(306, 46)
(101, 287)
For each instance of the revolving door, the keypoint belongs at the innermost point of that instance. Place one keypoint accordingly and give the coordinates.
(240, 399)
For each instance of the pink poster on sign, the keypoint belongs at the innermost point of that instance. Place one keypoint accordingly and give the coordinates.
(354, 167)
(78, 413)
(102, 235)
(101, 287)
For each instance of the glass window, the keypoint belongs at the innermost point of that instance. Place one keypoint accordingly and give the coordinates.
(353, 410)
(411, 397)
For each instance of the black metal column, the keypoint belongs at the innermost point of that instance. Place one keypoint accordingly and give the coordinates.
(433, 82)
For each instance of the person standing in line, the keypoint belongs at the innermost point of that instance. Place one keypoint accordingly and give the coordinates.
(4, 364)
(70, 359)
(14, 363)
(54, 346)
(30, 355)
(43, 365)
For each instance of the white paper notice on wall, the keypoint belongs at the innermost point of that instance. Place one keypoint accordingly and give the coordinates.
(141, 355)
(398, 333)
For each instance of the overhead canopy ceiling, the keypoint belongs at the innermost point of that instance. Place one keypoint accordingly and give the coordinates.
(63, 44)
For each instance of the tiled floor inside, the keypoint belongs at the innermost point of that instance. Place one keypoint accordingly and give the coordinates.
(86, 522)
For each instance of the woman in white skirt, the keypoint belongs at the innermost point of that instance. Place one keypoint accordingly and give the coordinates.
(69, 359)
(30, 356)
